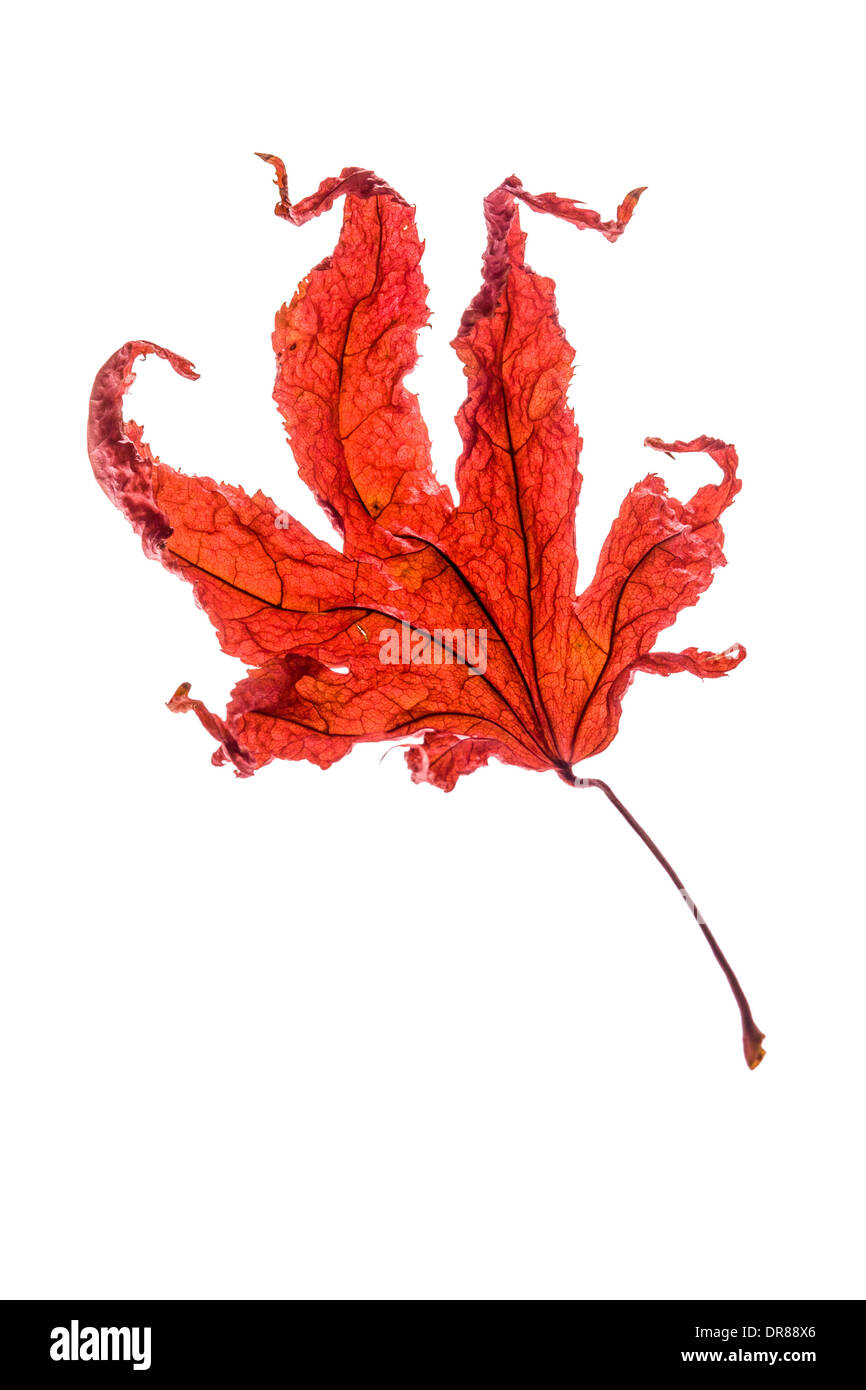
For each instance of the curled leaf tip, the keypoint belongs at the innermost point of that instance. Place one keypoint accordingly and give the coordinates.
(186, 369)
(229, 750)
(178, 697)
(628, 204)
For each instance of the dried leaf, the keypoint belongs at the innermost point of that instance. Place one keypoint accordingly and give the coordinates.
(313, 623)
(455, 622)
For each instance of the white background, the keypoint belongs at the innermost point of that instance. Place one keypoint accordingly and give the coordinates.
(332, 1034)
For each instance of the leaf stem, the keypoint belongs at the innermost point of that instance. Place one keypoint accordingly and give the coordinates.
(752, 1035)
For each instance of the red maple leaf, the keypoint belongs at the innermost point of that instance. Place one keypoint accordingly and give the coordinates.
(456, 622)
